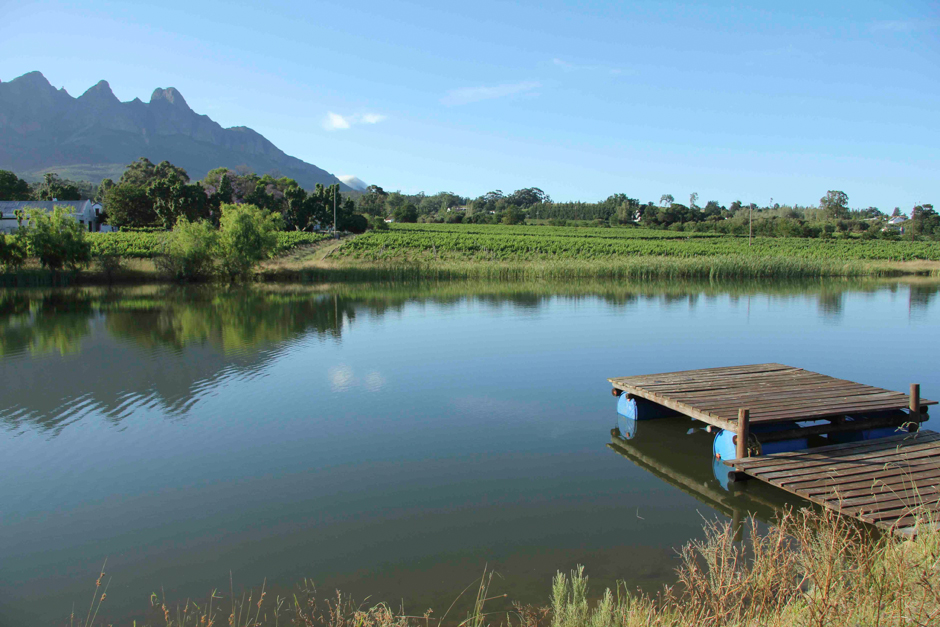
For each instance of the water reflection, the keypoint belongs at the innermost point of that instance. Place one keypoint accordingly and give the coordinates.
(680, 455)
(195, 337)
(921, 295)
(55, 322)
(387, 440)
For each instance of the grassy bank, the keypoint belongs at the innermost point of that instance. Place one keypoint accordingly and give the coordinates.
(526, 253)
(631, 268)
(809, 569)
(436, 252)
(289, 268)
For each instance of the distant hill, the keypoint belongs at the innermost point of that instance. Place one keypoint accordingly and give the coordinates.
(95, 136)
(354, 182)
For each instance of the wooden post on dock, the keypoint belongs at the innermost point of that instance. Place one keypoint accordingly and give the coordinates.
(915, 401)
(744, 428)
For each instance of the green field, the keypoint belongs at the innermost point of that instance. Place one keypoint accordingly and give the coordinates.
(458, 242)
(147, 245)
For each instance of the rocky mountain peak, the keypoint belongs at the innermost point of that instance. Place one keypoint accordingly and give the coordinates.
(170, 95)
(33, 79)
(100, 92)
(43, 128)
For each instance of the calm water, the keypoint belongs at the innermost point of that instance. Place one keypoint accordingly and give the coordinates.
(386, 442)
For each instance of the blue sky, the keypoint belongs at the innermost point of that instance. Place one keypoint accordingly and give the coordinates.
(731, 100)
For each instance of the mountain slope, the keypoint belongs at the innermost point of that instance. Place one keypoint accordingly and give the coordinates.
(95, 135)
(354, 182)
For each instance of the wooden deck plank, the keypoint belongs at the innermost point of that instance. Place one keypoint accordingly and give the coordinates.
(836, 447)
(846, 462)
(880, 501)
(828, 454)
(829, 408)
(772, 392)
(894, 476)
(771, 404)
(706, 372)
(875, 480)
(884, 482)
(799, 470)
(865, 478)
(822, 390)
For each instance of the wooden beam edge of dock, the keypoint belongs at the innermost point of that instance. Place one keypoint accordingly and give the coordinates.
(678, 406)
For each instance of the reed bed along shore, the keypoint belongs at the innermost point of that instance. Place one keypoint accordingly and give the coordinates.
(810, 568)
(139, 271)
(325, 263)
(630, 268)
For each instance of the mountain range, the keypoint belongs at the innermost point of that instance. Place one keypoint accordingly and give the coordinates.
(94, 136)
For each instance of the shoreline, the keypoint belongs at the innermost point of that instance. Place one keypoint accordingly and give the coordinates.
(314, 266)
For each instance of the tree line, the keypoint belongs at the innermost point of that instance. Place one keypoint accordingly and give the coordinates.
(148, 195)
(159, 195)
(833, 213)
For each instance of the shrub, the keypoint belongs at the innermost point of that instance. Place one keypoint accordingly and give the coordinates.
(355, 223)
(110, 266)
(189, 251)
(406, 213)
(56, 238)
(247, 235)
(12, 254)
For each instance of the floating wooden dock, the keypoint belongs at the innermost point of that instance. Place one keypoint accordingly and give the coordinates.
(770, 393)
(889, 482)
(882, 481)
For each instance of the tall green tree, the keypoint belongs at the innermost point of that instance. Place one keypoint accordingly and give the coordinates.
(527, 197)
(373, 201)
(406, 213)
(835, 205)
(173, 198)
(225, 192)
(13, 187)
(143, 172)
(296, 212)
(138, 173)
(129, 205)
(102, 190)
(925, 220)
(54, 188)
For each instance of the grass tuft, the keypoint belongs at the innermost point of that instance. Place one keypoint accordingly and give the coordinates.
(810, 568)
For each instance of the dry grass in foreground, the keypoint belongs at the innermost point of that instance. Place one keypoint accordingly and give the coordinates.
(814, 569)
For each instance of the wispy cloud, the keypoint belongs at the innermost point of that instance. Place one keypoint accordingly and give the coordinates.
(466, 95)
(337, 122)
(567, 66)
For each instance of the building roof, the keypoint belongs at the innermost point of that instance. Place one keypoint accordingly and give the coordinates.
(8, 207)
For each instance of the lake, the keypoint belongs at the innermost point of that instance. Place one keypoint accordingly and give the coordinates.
(387, 441)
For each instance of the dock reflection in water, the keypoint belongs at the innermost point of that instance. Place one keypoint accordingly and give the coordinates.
(680, 454)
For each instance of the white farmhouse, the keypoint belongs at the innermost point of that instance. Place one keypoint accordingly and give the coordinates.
(86, 212)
